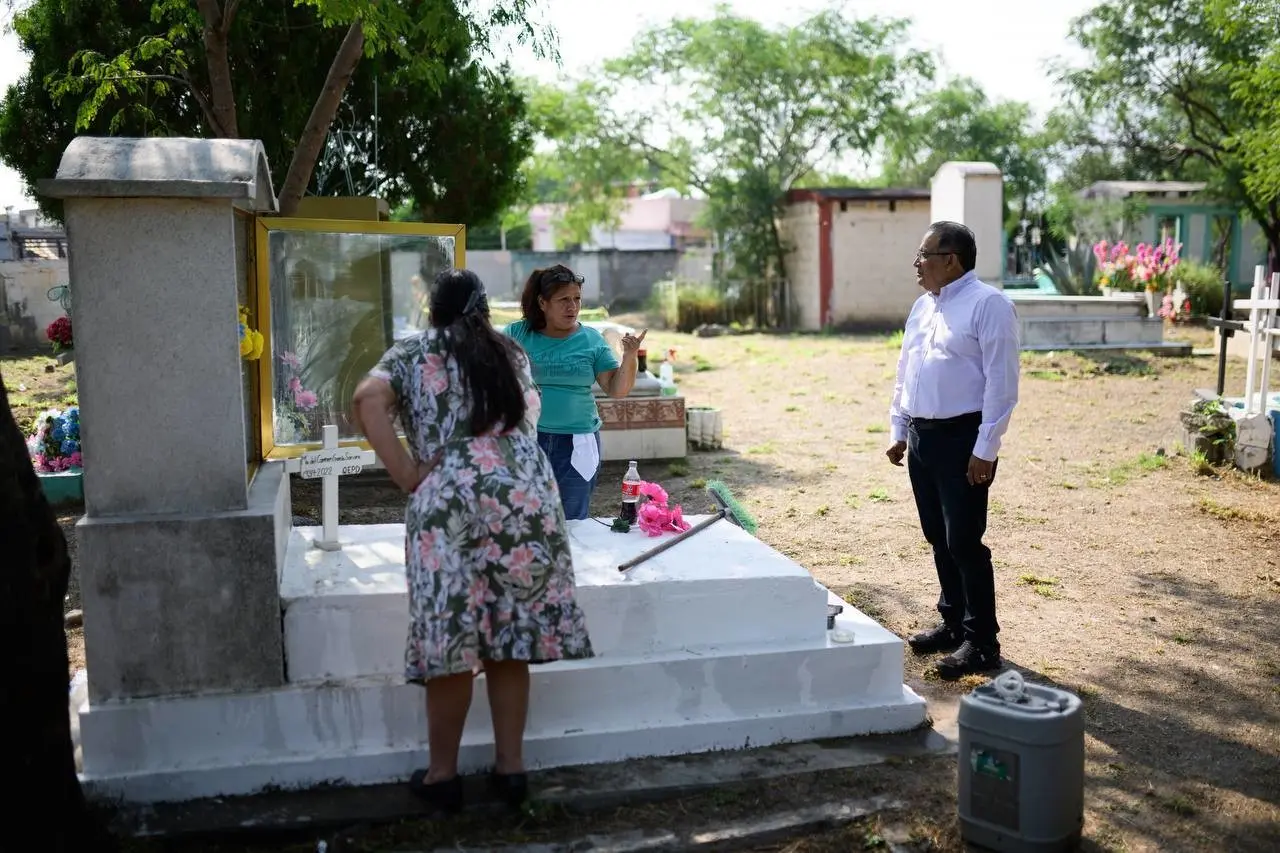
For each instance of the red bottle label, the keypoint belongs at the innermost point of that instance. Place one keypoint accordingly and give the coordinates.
(630, 490)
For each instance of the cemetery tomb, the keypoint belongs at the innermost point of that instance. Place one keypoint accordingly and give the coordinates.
(281, 652)
(720, 642)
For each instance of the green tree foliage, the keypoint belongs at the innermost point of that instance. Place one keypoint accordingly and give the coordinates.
(958, 122)
(742, 112)
(582, 165)
(449, 130)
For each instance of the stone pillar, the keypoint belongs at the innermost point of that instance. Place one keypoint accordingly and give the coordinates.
(973, 195)
(178, 552)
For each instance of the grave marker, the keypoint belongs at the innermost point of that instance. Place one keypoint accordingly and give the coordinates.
(1262, 304)
(328, 464)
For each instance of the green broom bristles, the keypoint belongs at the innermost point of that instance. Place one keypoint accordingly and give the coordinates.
(721, 494)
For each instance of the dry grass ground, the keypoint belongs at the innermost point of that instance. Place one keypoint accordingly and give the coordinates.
(1151, 590)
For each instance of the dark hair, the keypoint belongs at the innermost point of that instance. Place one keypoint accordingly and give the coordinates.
(484, 355)
(543, 283)
(958, 240)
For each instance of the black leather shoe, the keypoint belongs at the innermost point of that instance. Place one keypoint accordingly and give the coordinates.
(511, 788)
(938, 639)
(445, 795)
(970, 659)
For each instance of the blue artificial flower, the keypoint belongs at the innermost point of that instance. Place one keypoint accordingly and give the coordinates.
(70, 446)
(56, 432)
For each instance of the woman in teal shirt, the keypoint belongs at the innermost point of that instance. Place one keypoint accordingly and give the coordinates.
(567, 357)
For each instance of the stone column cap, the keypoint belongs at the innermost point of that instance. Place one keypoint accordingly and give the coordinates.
(164, 167)
(967, 167)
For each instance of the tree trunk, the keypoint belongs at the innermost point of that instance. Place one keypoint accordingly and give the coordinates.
(35, 700)
(307, 151)
(782, 287)
(1272, 234)
(217, 23)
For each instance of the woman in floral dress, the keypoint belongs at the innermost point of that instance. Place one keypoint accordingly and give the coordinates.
(490, 575)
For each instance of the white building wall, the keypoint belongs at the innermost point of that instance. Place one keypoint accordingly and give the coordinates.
(873, 244)
(25, 309)
(800, 230)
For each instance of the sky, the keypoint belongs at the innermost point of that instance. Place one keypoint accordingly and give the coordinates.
(1002, 44)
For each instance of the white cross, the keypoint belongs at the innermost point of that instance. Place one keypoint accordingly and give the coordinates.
(329, 463)
(1262, 304)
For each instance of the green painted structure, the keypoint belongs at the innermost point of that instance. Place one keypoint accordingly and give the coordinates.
(1178, 209)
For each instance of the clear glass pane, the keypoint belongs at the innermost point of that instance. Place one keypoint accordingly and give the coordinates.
(338, 302)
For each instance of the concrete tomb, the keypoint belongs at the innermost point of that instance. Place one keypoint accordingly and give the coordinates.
(228, 652)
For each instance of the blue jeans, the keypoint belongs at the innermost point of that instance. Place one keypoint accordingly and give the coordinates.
(575, 492)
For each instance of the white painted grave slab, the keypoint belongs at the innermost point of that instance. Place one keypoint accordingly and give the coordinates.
(346, 613)
(718, 643)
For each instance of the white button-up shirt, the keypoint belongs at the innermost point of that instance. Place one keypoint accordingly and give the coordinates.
(959, 355)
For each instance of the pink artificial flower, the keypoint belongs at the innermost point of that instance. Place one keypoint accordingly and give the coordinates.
(291, 360)
(295, 385)
(75, 460)
(305, 400)
(653, 519)
(656, 520)
(654, 493)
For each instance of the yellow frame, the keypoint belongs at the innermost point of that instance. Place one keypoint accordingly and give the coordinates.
(251, 301)
(267, 224)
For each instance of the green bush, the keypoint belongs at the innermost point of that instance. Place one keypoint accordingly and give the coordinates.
(685, 305)
(700, 304)
(1203, 286)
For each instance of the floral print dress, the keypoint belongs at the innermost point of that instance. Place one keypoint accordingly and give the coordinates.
(487, 558)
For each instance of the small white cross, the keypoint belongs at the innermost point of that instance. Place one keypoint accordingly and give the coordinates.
(329, 463)
(1263, 304)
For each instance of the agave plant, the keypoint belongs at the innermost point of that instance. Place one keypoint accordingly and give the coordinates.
(1071, 270)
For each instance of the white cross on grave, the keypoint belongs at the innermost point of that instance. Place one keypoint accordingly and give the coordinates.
(1263, 306)
(329, 463)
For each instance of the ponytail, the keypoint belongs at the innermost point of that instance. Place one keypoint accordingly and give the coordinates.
(485, 356)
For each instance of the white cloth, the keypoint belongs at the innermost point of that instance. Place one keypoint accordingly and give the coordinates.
(586, 455)
(959, 355)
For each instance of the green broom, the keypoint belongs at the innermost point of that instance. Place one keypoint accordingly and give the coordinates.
(729, 509)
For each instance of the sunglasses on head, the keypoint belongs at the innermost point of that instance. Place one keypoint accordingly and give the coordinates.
(560, 276)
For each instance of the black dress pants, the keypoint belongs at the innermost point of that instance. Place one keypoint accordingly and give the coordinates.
(953, 516)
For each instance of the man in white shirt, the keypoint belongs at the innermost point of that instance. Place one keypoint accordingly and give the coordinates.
(956, 389)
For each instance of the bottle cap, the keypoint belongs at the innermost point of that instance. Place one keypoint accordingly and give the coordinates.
(642, 352)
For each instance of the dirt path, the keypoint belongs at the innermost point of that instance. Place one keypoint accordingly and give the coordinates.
(1150, 590)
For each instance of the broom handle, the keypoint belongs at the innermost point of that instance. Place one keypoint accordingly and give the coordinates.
(652, 552)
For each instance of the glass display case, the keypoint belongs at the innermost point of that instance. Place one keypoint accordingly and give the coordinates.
(333, 296)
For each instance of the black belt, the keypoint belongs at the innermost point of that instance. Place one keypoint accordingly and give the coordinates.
(968, 419)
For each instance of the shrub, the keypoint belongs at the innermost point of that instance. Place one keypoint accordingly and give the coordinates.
(687, 305)
(1203, 286)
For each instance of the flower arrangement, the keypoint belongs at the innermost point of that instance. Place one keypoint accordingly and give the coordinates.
(295, 399)
(1175, 313)
(59, 334)
(54, 446)
(1146, 267)
(250, 339)
(654, 516)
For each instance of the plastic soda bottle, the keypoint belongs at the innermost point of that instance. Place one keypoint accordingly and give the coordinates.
(630, 494)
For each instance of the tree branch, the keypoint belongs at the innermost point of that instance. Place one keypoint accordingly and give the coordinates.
(221, 91)
(313, 135)
(201, 101)
(229, 15)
